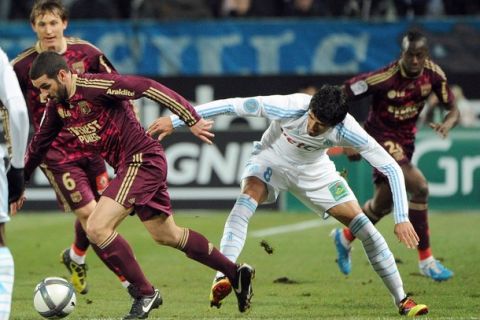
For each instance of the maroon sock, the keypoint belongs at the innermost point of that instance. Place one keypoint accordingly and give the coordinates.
(81, 241)
(118, 255)
(197, 247)
(419, 220)
(98, 251)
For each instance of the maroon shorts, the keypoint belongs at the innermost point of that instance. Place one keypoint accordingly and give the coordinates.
(77, 183)
(141, 183)
(401, 151)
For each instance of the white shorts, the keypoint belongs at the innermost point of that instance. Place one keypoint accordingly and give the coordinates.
(317, 185)
(4, 217)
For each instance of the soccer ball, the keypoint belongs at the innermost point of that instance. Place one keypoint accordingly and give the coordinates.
(54, 298)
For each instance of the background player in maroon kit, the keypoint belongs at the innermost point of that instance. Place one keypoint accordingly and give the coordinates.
(76, 179)
(95, 109)
(399, 91)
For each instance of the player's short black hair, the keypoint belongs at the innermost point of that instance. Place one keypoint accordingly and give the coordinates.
(47, 63)
(329, 104)
(413, 35)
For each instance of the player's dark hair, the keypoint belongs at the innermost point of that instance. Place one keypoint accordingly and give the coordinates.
(42, 7)
(47, 63)
(329, 104)
(413, 35)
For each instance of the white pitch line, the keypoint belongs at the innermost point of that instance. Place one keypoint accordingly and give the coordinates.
(292, 227)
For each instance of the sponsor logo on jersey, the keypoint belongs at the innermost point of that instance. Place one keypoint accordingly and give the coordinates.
(63, 113)
(251, 105)
(359, 87)
(392, 94)
(338, 190)
(120, 92)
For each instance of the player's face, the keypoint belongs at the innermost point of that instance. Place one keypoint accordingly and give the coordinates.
(314, 126)
(51, 88)
(49, 29)
(413, 59)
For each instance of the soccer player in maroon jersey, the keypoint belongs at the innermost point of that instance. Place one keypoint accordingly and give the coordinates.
(95, 109)
(399, 91)
(76, 179)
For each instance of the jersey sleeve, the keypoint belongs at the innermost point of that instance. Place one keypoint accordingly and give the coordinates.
(440, 86)
(16, 124)
(275, 107)
(134, 87)
(353, 135)
(50, 126)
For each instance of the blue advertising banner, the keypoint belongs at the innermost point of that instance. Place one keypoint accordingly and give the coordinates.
(265, 47)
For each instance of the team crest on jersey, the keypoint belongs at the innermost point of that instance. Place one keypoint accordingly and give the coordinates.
(79, 67)
(251, 105)
(338, 190)
(425, 89)
(84, 107)
(76, 196)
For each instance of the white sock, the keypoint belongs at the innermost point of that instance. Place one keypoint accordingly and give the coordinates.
(379, 255)
(235, 230)
(125, 283)
(75, 257)
(6, 282)
(425, 262)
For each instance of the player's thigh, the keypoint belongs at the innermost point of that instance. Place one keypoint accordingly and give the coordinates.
(106, 217)
(71, 184)
(320, 193)
(382, 197)
(271, 173)
(415, 181)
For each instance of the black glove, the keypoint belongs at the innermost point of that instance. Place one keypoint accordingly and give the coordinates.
(16, 184)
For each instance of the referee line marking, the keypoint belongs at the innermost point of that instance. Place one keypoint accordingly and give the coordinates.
(292, 227)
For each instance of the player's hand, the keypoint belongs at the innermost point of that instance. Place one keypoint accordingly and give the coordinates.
(352, 154)
(406, 234)
(17, 205)
(201, 129)
(441, 129)
(163, 126)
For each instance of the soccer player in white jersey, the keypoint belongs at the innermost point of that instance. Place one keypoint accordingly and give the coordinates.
(292, 155)
(13, 111)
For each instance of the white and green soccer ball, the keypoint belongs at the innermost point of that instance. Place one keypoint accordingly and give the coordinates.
(54, 298)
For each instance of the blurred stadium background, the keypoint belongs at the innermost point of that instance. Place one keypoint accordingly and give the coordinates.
(210, 49)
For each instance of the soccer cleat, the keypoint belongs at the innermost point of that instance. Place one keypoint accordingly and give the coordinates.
(410, 308)
(142, 306)
(343, 253)
(77, 271)
(243, 289)
(221, 288)
(436, 271)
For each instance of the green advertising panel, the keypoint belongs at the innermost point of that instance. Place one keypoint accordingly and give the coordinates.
(451, 166)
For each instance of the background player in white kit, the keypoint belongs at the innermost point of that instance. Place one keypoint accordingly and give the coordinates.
(15, 119)
(292, 156)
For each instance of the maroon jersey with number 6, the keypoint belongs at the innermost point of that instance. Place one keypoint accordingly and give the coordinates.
(101, 119)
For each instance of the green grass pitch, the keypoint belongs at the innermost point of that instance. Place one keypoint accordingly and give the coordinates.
(315, 288)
